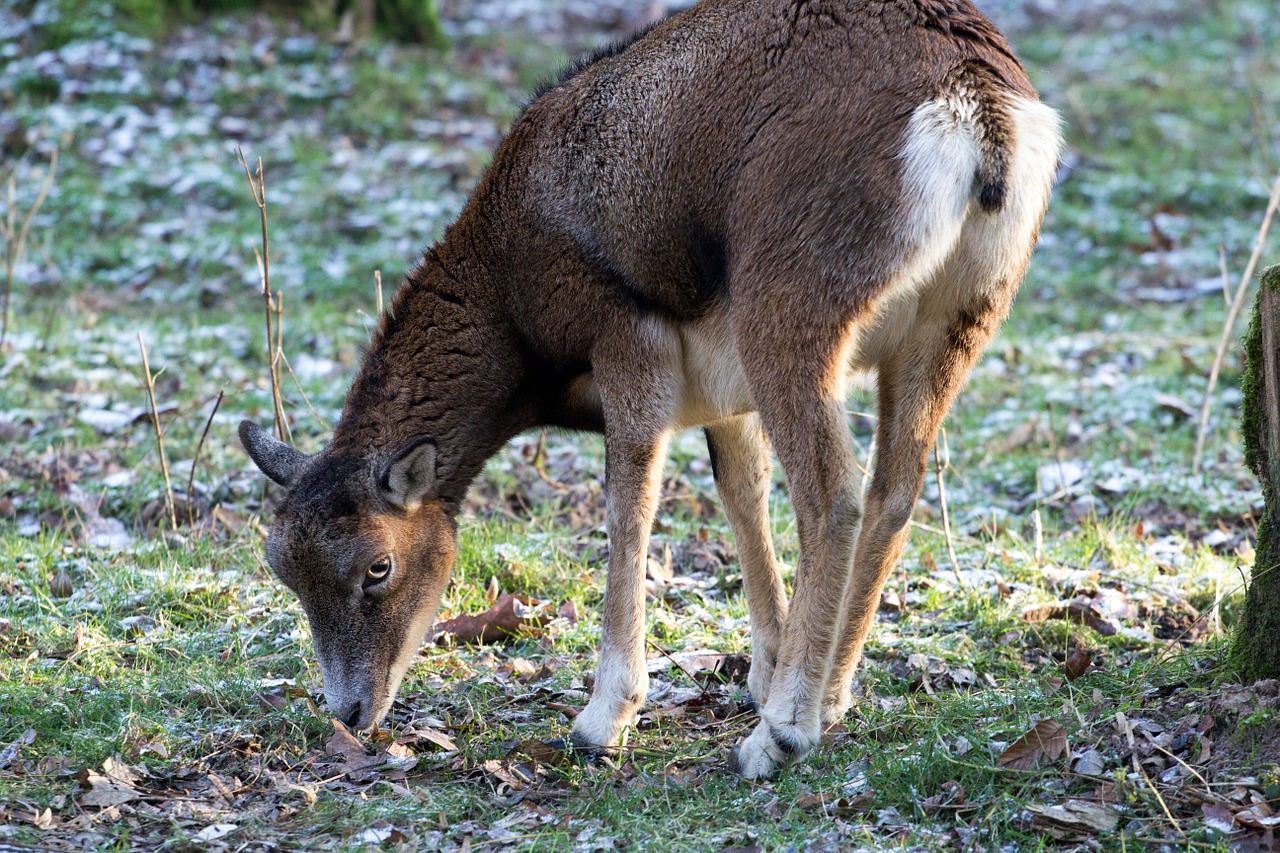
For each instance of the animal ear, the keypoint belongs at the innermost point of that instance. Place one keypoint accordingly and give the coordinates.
(277, 460)
(410, 477)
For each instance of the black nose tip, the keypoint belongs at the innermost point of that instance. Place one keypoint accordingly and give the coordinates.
(352, 719)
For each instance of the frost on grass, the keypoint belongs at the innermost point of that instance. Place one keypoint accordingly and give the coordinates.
(160, 686)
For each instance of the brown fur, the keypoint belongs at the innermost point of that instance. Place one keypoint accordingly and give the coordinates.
(725, 217)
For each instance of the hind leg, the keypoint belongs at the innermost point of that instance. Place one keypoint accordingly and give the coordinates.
(740, 459)
(797, 377)
(916, 388)
(960, 310)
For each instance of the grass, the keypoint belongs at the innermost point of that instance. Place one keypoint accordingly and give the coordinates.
(176, 653)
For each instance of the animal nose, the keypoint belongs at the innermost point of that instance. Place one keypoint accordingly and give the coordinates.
(352, 718)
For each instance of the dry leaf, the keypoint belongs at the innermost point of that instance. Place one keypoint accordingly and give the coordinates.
(1173, 404)
(830, 805)
(106, 791)
(731, 668)
(1077, 664)
(438, 738)
(214, 832)
(1046, 742)
(1218, 816)
(568, 612)
(343, 744)
(1074, 817)
(1090, 763)
(1044, 612)
(516, 776)
(540, 751)
(60, 585)
(1087, 612)
(11, 751)
(510, 616)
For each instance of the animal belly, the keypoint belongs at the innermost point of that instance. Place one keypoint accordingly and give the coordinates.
(714, 385)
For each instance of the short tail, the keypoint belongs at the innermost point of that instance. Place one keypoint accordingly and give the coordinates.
(977, 97)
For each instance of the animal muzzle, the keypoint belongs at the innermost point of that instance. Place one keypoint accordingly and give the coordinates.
(354, 697)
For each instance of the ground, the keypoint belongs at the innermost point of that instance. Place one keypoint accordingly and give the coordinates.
(1048, 669)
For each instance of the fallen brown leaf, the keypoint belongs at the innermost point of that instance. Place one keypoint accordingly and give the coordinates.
(952, 796)
(60, 584)
(568, 612)
(1077, 664)
(510, 616)
(731, 668)
(113, 787)
(889, 601)
(12, 750)
(540, 752)
(515, 775)
(1046, 742)
(346, 746)
(1044, 612)
(433, 736)
(830, 805)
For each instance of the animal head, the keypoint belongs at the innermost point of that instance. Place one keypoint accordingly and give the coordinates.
(367, 548)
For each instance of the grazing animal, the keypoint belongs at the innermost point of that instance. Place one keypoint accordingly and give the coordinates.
(714, 225)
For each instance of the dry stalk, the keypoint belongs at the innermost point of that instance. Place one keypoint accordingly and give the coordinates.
(942, 463)
(540, 463)
(276, 358)
(377, 289)
(284, 359)
(155, 423)
(258, 187)
(1232, 313)
(15, 234)
(191, 478)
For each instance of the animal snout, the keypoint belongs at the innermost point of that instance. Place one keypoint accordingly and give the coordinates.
(350, 713)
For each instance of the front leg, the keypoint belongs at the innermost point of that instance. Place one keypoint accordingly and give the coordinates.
(637, 393)
(633, 481)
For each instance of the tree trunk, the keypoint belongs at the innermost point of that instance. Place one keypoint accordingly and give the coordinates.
(1255, 653)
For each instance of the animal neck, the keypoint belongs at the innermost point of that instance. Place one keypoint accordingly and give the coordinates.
(444, 363)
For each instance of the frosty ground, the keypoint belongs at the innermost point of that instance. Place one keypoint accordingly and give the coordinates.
(1049, 674)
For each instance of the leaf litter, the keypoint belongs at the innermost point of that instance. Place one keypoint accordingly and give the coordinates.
(1172, 732)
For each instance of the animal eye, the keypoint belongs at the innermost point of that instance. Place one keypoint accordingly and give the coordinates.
(377, 573)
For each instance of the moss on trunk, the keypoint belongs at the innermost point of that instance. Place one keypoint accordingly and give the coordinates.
(1255, 653)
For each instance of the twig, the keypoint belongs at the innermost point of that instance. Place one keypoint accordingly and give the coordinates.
(1122, 723)
(377, 289)
(16, 247)
(1222, 271)
(259, 190)
(155, 422)
(942, 462)
(1188, 767)
(1234, 311)
(651, 644)
(191, 478)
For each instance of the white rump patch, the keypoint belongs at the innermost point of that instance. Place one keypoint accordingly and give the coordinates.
(941, 158)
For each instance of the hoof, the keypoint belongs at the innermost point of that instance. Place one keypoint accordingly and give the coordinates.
(580, 749)
(769, 749)
(731, 761)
